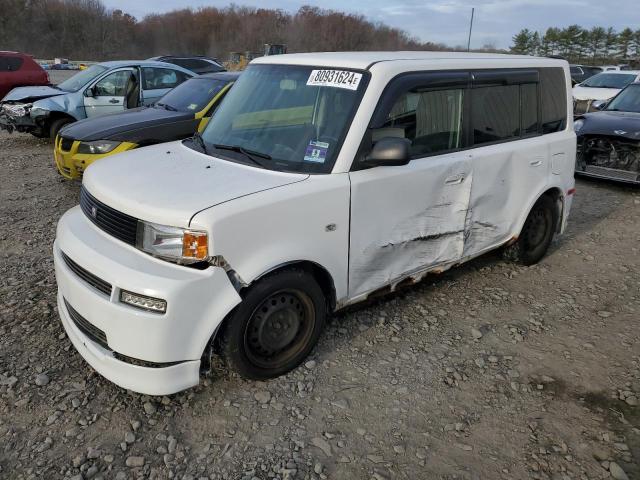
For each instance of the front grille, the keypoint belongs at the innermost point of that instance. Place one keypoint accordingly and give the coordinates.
(90, 278)
(91, 331)
(612, 173)
(66, 144)
(115, 223)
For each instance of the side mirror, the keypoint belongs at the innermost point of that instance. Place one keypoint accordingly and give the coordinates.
(599, 104)
(390, 152)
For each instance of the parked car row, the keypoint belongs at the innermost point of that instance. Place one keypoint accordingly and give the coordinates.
(600, 88)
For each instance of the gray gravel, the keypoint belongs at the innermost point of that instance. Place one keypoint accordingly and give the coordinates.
(489, 371)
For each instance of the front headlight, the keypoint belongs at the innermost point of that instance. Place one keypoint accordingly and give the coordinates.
(577, 125)
(99, 146)
(172, 243)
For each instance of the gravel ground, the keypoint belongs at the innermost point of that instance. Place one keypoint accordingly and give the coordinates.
(489, 371)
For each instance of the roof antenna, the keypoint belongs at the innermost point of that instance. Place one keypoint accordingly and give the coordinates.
(470, 27)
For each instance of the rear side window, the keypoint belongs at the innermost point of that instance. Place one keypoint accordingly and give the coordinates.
(431, 119)
(553, 93)
(10, 64)
(158, 78)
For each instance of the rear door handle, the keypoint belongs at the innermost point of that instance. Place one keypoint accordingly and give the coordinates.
(536, 162)
(114, 100)
(454, 180)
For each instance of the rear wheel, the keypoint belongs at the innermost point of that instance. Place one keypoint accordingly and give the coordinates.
(536, 235)
(275, 327)
(56, 125)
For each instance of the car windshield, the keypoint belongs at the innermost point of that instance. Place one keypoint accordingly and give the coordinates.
(192, 95)
(627, 101)
(294, 117)
(81, 78)
(609, 80)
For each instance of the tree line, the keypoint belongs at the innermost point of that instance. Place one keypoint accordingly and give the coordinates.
(87, 30)
(596, 46)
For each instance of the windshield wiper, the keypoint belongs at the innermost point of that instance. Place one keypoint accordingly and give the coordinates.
(250, 154)
(197, 139)
(167, 107)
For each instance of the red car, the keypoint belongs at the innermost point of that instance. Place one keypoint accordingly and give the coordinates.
(19, 70)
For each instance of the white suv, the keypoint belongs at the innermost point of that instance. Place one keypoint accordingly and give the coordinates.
(322, 179)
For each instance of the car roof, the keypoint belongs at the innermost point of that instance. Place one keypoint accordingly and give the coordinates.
(621, 72)
(364, 60)
(226, 76)
(139, 63)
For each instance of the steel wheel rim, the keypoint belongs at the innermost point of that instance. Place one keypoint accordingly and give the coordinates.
(537, 228)
(279, 329)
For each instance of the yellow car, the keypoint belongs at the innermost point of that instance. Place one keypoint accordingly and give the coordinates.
(179, 114)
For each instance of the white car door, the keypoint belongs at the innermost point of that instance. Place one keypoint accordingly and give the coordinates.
(108, 95)
(406, 219)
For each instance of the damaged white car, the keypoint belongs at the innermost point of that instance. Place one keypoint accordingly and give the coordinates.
(596, 91)
(321, 180)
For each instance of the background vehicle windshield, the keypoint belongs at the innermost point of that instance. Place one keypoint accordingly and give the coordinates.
(296, 115)
(609, 80)
(627, 101)
(192, 95)
(80, 79)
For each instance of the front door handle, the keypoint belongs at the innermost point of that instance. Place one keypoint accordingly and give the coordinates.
(536, 162)
(454, 180)
(114, 100)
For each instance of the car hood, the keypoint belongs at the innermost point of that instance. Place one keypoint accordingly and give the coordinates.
(107, 127)
(169, 183)
(621, 124)
(29, 94)
(588, 93)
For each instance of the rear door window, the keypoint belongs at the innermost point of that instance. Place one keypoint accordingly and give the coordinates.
(495, 113)
(159, 78)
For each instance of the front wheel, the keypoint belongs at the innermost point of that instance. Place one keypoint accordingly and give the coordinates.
(536, 235)
(275, 327)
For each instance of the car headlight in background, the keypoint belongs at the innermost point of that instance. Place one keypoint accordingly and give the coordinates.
(577, 125)
(99, 146)
(16, 109)
(174, 244)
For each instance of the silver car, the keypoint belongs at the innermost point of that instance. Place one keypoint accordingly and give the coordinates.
(100, 89)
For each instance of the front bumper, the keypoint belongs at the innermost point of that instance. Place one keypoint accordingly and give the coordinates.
(20, 124)
(197, 302)
(72, 164)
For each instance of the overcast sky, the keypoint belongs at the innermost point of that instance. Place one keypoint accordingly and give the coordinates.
(496, 21)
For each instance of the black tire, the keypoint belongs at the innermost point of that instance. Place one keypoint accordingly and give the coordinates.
(536, 234)
(276, 326)
(56, 125)
(38, 133)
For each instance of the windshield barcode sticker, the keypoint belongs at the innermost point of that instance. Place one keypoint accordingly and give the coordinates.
(334, 78)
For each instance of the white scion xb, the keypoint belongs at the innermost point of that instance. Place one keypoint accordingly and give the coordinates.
(322, 178)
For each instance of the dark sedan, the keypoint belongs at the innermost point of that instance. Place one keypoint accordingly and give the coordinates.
(609, 140)
(179, 114)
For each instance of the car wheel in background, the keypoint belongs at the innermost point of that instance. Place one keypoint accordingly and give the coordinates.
(56, 125)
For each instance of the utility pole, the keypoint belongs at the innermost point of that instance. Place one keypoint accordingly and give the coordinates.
(470, 27)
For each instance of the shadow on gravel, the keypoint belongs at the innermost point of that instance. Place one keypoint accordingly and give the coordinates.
(617, 415)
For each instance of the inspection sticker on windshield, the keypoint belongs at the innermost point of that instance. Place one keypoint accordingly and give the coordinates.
(334, 78)
(316, 152)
